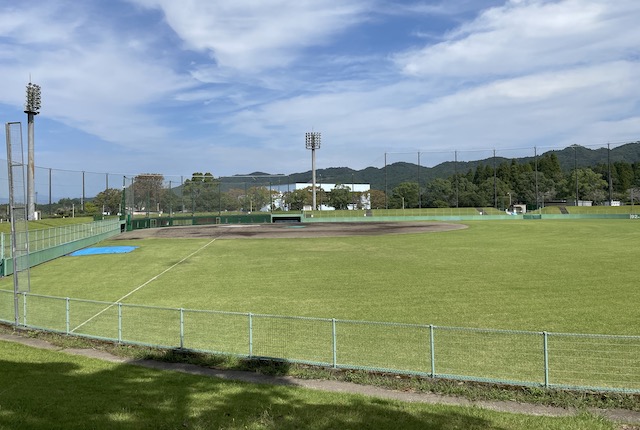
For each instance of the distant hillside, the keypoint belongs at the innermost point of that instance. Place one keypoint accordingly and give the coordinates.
(399, 172)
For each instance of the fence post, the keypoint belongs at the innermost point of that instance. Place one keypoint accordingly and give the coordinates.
(334, 343)
(181, 328)
(545, 343)
(24, 309)
(67, 317)
(250, 335)
(119, 322)
(433, 352)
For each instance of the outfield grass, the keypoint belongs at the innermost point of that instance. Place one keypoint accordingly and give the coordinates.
(562, 276)
(54, 390)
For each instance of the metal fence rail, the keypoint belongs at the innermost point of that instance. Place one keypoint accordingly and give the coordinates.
(47, 244)
(42, 239)
(560, 360)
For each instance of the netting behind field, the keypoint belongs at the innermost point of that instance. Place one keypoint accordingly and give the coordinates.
(601, 362)
(476, 178)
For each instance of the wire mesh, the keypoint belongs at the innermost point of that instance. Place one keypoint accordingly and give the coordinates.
(44, 312)
(151, 326)
(216, 331)
(7, 306)
(489, 354)
(94, 319)
(383, 346)
(292, 338)
(599, 361)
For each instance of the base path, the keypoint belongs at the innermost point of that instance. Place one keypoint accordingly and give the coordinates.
(290, 230)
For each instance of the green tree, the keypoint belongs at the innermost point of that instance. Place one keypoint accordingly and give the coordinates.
(377, 199)
(489, 191)
(91, 208)
(67, 206)
(405, 195)
(108, 200)
(147, 191)
(438, 193)
(256, 199)
(171, 202)
(623, 179)
(202, 192)
(591, 185)
(340, 197)
(235, 199)
(297, 199)
(549, 165)
(468, 195)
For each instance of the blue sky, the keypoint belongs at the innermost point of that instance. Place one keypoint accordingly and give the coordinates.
(231, 86)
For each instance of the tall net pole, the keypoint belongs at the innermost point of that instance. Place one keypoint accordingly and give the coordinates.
(18, 212)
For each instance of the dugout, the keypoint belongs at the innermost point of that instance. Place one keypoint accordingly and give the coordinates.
(286, 218)
(157, 222)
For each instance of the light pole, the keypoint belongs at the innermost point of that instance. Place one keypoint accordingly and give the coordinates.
(353, 195)
(31, 108)
(312, 142)
(575, 168)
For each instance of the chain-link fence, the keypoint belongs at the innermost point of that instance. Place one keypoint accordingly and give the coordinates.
(579, 361)
(485, 179)
(47, 244)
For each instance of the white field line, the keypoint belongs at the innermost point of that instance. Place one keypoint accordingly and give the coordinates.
(142, 285)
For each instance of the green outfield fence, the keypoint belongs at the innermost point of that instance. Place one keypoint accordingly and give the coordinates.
(540, 359)
(50, 243)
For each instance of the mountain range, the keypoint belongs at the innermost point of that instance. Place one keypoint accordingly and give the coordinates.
(399, 172)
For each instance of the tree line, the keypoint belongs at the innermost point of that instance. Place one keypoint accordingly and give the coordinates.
(533, 183)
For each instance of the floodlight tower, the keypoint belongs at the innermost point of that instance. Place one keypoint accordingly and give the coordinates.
(31, 108)
(312, 142)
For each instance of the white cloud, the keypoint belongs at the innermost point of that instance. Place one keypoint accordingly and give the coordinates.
(232, 86)
(524, 36)
(518, 112)
(252, 35)
(92, 77)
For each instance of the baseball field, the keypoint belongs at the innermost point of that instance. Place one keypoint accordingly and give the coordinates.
(576, 276)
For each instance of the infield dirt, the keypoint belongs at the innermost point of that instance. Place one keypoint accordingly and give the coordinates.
(290, 230)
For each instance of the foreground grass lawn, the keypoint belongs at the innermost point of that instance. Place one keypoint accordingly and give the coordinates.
(44, 389)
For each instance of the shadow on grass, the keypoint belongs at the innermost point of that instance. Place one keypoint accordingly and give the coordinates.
(62, 394)
(263, 366)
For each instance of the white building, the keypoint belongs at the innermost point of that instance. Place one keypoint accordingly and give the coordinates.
(363, 189)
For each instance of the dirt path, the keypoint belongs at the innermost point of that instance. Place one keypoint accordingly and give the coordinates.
(630, 419)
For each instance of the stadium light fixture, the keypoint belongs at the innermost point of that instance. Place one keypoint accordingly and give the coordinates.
(31, 108)
(34, 101)
(312, 142)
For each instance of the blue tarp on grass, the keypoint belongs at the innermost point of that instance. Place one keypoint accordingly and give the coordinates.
(103, 250)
